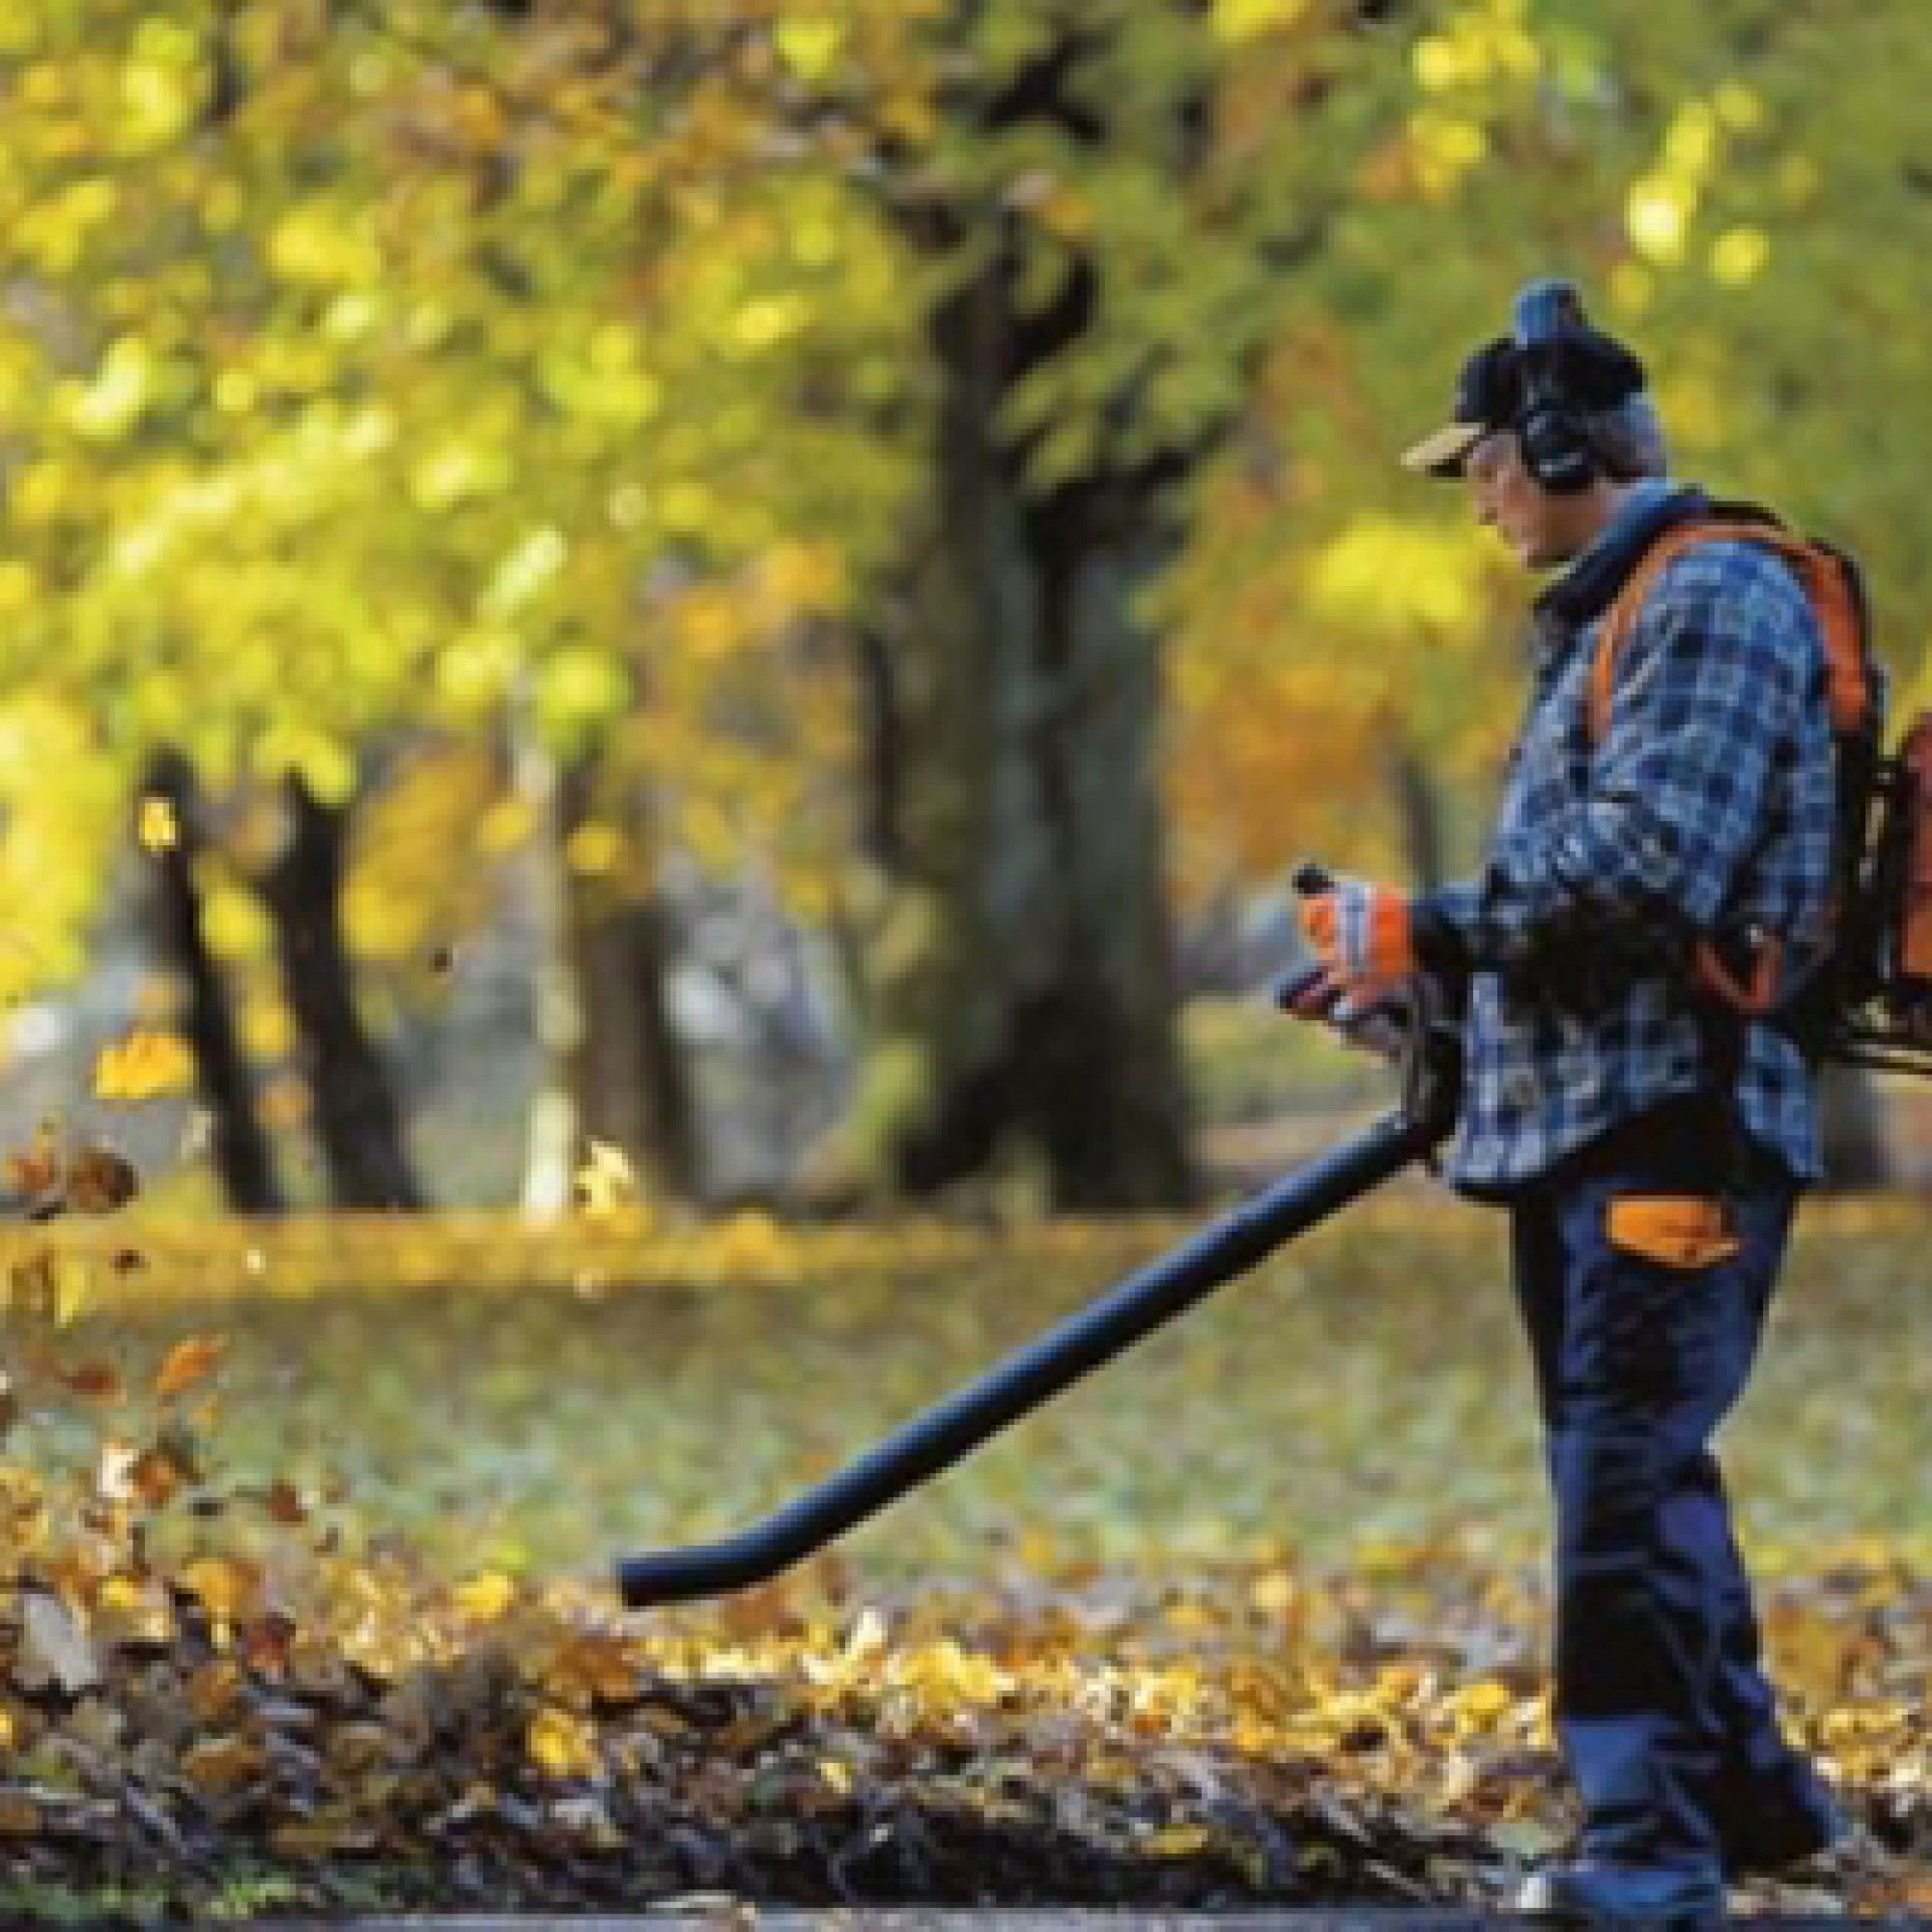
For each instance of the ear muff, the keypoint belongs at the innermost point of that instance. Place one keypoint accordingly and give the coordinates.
(1550, 431)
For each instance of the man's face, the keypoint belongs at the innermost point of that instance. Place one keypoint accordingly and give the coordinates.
(1538, 525)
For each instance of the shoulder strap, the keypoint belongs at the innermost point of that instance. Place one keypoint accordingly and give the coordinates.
(1826, 582)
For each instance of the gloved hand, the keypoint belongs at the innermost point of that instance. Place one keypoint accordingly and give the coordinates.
(1360, 933)
(1372, 1026)
(1371, 1023)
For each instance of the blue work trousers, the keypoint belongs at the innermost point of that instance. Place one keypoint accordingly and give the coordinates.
(1660, 1705)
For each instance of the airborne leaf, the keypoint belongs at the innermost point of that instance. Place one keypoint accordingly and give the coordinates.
(187, 1363)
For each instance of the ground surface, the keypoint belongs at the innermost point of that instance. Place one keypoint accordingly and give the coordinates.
(321, 1621)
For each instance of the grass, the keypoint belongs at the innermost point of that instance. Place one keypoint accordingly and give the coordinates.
(1366, 1389)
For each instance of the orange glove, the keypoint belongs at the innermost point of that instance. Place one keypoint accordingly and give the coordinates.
(1360, 933)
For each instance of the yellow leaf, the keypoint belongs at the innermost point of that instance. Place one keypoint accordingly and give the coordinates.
(564, 1744)
(122, 1593)
(224, 1588)
(50, 1287)
(809, 46)
(486, 1597)
(1179, 1842)
(1237, 20)
(606, 1183)
(159, 829)
(1479, 1705)
(594, 850)
(143, 1065)
(73, 1286)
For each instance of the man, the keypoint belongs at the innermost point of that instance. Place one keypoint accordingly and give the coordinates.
(1649, 1143)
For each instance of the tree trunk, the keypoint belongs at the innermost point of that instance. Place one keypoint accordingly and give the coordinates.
(550, 1137)
(358, 1123)
(1106, 1094)
(1010, 906)
(1851, 1126)
(241, 1148)
(627, 1066)
(1418, 807)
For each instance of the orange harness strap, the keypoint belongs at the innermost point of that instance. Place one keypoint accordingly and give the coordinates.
(1825, 584)
(1830, 591)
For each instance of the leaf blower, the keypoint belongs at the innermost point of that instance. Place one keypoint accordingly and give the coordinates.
(1430, 1058)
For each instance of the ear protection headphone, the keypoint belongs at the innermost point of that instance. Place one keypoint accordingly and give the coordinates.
(1550, 432)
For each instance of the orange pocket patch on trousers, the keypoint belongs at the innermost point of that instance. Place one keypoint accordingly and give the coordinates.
(1680, 1231)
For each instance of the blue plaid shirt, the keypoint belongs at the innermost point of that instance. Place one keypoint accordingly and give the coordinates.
(1706, 809)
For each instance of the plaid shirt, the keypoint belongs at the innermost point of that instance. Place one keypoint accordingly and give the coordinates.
(1706, 809)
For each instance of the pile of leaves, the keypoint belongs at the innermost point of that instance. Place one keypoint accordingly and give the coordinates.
(355, 1734)
(223, 1688)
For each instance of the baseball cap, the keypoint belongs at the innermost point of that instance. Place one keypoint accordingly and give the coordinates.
(1596, 372)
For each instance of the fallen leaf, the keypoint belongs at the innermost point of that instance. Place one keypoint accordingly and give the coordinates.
(486, 1597)
(1523, 1837)
(225, 1587)
(54, 1648)
(563, 1742)
(97, 1381)
(1177, 1841)
(223, 1764)
(284, 1503)
(21, 1817)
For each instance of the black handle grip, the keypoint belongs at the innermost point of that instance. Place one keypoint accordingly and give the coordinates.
(1289, 990)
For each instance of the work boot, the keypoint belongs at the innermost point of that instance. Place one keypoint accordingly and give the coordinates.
(1767, 1823)
(1657, 1898)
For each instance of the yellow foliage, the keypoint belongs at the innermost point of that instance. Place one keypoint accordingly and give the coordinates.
(811, 45)
(403, 895)
(234, 921)
(594, 850)
(267, 1029)
(1237, 20)
(1657, 215)
(1389, 575)
(1739, 256)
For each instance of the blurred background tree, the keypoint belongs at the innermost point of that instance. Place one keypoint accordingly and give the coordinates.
(873, 523)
